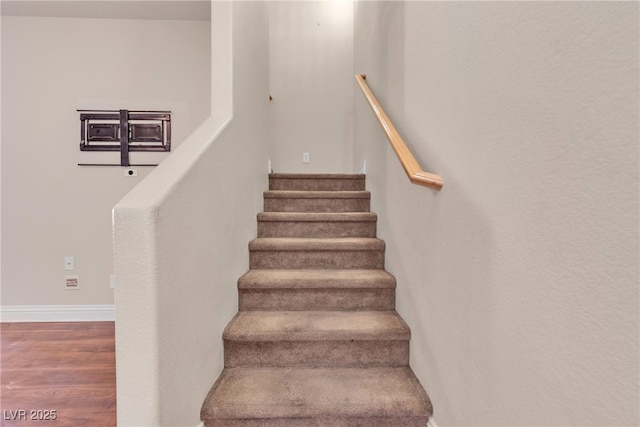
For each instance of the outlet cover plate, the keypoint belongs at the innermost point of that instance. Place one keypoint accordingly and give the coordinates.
(72, 282)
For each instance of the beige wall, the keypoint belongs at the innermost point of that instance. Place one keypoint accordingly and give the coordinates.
(51, 207)
(520, 278)
(181, 236)
(311, 62)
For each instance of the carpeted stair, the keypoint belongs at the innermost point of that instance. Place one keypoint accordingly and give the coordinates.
(317, 340)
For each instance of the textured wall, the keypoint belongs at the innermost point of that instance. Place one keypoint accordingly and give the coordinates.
(520, 278)
(181, 236)
(52, 207)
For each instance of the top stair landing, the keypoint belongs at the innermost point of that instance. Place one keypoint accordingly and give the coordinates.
(316, 182)
(316, 193)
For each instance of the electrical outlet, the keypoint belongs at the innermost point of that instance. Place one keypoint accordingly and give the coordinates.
(69, 262)
(72, 282)
(112, 281)
(130, 172)
(305, 157)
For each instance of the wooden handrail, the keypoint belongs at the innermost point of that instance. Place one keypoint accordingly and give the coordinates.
(409, 163)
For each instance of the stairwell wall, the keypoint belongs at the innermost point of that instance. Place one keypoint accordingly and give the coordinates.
(311, 62)
(519, 279)
(181, 236)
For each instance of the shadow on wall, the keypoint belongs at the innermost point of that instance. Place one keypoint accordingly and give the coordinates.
(424, 228)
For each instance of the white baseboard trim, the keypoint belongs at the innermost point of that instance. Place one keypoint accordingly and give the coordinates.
(201, 424)
(431, 423)
(57, 313)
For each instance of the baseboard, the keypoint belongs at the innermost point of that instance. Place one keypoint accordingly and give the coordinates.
(57, 313)
(363, 167)
(431, 423)
(201, 424)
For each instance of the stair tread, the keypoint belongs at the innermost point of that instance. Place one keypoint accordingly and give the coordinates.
(316, 326)
(317, 216)
(316, 243)
(259, 393)
(312, 194)
(313, 279)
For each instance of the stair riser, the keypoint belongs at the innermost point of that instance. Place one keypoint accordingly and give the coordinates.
(317, 299)
(317, 229)
(316, 353)
(313, 259)
(316, 205)
(301, 184)
(320, 422)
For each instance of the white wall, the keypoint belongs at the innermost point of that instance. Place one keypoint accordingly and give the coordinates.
(181, 236)
(51, 207)
(520, 278)
(311, 67)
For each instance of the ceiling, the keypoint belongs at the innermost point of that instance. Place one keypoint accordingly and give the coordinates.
(188, 10)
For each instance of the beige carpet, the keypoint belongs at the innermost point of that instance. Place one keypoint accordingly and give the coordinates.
(317, 340)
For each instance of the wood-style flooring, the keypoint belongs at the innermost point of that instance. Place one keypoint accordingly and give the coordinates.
(68, 368)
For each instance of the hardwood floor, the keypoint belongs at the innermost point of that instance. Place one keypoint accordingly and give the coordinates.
(68, 368)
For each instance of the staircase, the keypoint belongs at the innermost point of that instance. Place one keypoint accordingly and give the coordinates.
(317, 340)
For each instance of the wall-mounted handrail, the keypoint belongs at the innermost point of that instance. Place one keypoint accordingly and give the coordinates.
(409, 163)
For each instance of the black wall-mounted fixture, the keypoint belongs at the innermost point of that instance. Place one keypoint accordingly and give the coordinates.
(124, 131)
